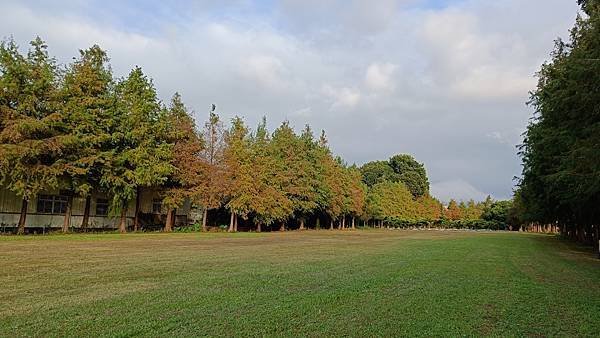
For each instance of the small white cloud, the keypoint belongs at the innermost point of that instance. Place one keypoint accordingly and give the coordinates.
(265, 70)
(379, 76)
(343, 97)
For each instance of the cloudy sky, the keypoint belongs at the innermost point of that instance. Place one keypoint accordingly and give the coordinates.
(444, 80)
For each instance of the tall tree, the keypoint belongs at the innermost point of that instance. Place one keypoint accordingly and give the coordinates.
(31, 132)
(561, 152)
(141, 155)
(211, 192)
(411, 173)
(270, 203)
(238, 159)
(187, 178)
(87, 107)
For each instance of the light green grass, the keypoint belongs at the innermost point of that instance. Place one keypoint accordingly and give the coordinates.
(315, 283)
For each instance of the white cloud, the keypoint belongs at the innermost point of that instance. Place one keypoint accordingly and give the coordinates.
(342, 97)
(379, 76)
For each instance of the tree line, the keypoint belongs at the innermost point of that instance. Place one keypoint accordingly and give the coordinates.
(560, 183)
(79, 129)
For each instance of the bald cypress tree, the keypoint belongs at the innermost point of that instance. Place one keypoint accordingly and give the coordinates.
(31, 131)
(214, 184)
(87, 109)
(270, 203)
(184, 181)
(238, 159)
(141, 155)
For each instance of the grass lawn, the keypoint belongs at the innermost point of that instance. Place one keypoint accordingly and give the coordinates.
(313, 283)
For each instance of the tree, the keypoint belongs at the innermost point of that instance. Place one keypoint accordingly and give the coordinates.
(141, 155)
(270, 204)
(214, 184)
(411, 173)
(561, 157)
(453, 211)
(378, 172)
(295, 172)
(31, 134)
(238, 159)
(184, 182)
(87, 106)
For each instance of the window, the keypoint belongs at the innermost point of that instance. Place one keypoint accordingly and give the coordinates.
(157, 206)
(52, 204)
(101, 207)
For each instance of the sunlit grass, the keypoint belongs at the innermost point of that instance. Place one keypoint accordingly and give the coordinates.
(323, 283)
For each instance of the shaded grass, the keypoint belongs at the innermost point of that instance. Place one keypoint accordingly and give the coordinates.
(314, 283)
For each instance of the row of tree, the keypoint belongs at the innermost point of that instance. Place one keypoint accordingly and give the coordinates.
(79, 129)
(560, 184)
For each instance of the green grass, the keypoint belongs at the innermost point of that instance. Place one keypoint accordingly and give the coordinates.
(314, 283)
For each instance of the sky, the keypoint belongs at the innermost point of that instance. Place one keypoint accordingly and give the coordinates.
(444, 80)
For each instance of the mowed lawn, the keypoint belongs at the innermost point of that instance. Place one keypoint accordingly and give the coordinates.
(313, 283)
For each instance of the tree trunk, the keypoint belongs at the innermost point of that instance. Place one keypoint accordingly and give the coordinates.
(353, 226)
(318, 225)
(344, 222)
(235, 223)
(170, 220)
(23, 217)
(136, 216)
(67, 220)
(258, 227)
(86, 213)
(204, 228)
(331, 224)
(302, 224)
(123, 222)
(282, 227)
(231, 222)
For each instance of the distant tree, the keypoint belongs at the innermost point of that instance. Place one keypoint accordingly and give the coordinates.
(453, 211)
(378, 172)
(411, 173)
(499, 213)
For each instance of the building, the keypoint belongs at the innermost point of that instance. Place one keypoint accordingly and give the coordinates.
(47, 211)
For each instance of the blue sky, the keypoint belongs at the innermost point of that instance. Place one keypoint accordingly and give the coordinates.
(446, 81)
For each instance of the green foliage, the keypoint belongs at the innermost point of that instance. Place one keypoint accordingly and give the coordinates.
(411, 173)
(32, 137)
(561, 153)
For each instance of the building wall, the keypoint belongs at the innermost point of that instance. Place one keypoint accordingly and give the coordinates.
(10, 210)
